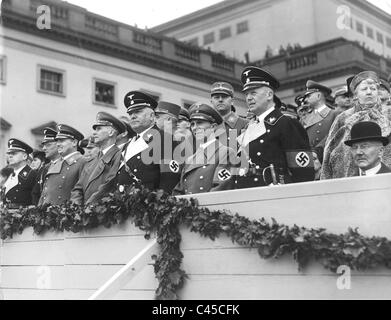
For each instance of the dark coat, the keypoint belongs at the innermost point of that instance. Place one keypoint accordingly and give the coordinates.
(232, 127)
(151, 163)
(60, 180)
(20, 195)
(383, 169)
(208, 170)
(282, 142)
(317, 125)
(97, 178)
(38, 186)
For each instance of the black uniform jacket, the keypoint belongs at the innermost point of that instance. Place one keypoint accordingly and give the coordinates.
(280, 141)
(20, 195)
(149, 160)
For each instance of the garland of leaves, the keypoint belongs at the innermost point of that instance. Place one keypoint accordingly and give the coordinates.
(160, 213)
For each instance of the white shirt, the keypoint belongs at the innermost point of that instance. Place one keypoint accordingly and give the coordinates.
(104, 151)
(321, 108)
(371, 172)
(12, 180)
(263, 116)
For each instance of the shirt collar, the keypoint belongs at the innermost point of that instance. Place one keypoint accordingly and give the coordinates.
(104, 151)
(16, 172)
(320, 109)
(69, 155)
(263, 116)
(371, 172)
(142, 133)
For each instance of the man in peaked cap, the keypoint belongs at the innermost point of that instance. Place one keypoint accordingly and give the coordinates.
(210, 168)
(222, 97)
(367, 147)
(342, 99)
(182, 131)
(318, 122)
(274, 148)
(147, 159)
(49, 147)
(98, 175)
(19, 185)
(63, 174)
(167, 115)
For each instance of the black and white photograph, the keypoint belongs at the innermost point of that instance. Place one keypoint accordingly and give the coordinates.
(216, 151)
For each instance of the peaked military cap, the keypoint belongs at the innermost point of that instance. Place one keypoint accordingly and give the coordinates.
(168, 108)
(358, 78)
(222, 87)
(366, 131)
(106, 119)
(299, 100)
(87, 143)
(385, 85)
(253, 77)
(67, 132)
(184, 115)
(343, 91)
(18, 145)
(206, 113)
(136, 100)
(49, 134)
(313, 86)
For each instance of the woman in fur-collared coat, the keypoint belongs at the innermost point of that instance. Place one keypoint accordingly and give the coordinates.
(338, 162)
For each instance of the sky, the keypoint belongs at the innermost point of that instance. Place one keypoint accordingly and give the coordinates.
(149, 13)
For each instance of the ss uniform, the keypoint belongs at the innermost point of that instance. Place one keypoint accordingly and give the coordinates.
(19, 185)
(272, 143)
(147, 159)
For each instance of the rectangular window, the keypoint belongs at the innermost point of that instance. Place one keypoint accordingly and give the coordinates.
(370, 32)
(388, 42)
(379, 37)
(3, 66)
(359, 27)
(51, 80)
(209, 38)
(225, 33)
(242, 27)
(193, 42)
(104, 92)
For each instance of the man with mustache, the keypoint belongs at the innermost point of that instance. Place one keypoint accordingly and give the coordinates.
(367, 148)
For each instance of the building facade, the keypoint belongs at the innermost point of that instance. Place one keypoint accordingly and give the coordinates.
(245, 29)
(85, 63)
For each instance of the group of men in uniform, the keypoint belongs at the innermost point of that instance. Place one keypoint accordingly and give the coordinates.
(164, 146)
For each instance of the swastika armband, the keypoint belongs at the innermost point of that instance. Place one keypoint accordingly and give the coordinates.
(174, 166)
(224, 175)
(299, 159)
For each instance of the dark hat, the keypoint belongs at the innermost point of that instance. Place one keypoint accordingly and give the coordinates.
(348, 82)
(87, 143)
(222, 87)
(385, 85)
(205, 112)
(184, 115)
(106, 119)
(17, 145)
(39, 154)
(67, 132)
(168, 108)
(253, 77)
(313, 86)
(358, 78)
(136, 100)
(366, 130)
(343, 91)
(299, 100)
(49, 135)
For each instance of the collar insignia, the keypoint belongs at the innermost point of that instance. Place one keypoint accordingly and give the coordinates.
(272, 120)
